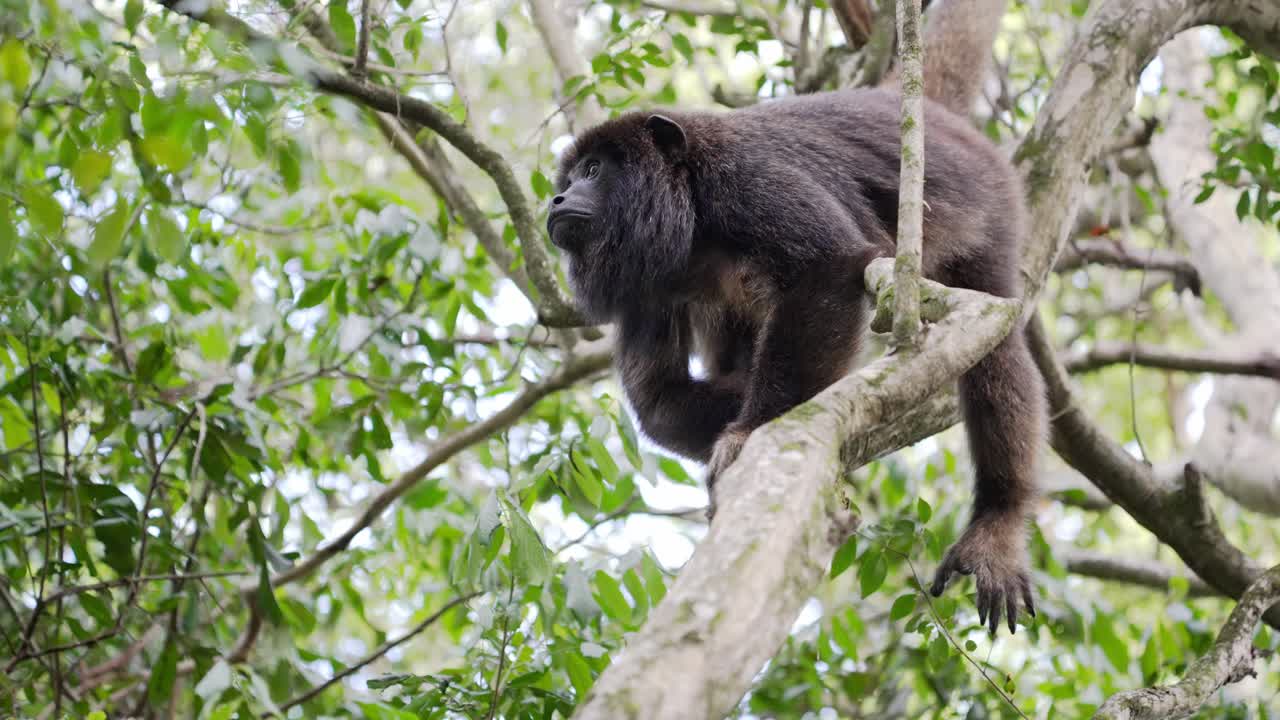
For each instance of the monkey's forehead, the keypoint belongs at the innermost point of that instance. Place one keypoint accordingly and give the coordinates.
(622, 137)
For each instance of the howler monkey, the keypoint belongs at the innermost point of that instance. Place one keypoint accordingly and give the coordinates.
(741, 238)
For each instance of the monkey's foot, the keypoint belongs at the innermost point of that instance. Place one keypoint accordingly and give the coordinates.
(994, 551)
(726, 450)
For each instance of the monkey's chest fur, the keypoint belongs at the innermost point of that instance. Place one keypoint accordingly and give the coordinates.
(728, 304)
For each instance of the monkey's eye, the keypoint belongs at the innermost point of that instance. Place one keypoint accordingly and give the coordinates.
(593, 169)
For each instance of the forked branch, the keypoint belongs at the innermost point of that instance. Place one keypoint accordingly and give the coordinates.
(1231, 659)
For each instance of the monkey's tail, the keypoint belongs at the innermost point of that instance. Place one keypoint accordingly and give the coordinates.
(957, 51)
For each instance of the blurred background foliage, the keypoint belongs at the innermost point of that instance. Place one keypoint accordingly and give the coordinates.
(233, 318)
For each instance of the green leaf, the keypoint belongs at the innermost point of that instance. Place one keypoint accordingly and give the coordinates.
(133, 15)
(654, 580)
(344, 26)
(872, 572)
(163, 673)
(844, 556)
(380, 433)
(903, 606)
(579, 674)
(8, 230)
(1205, 193)
(724, 25)
(923, 511)
(603, 460)
(166, 151)
(501, 32)
(586, 479)
(541, 185)
(413, 39)
(150, 361)
(675, 471)
(164, 235)
(43, 210)
(15, 66)
(90, 168)
(1242, 205)
(638, 593)
(264, 594)
(530, 559)
(609, 595)
(939, 651)
(1105, 637)
(1150, 658)
(315, 293)
(290, 167)
(682, 44)
(108, 235)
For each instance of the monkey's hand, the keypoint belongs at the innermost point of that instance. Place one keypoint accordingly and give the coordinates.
(994, 550)
(727, 448)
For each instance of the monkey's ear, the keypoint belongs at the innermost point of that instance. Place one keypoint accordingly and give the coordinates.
(667, 134)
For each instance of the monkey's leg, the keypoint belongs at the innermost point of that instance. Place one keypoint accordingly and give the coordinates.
(808, 342)
(1002, 398)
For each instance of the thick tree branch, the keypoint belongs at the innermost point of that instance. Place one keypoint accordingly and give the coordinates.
(1175, 511)
(906, 277)
(1230, 660)
(1106, 353)
(1146, 573)
(555, 308)
(777, 528)
(1237, 450)
(1092, 93)
(431, 164)
(854, 18)
(1079, 253)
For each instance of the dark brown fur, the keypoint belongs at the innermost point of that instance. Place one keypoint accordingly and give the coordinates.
(743, 237)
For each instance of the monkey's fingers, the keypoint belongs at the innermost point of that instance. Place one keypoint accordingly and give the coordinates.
(1011, 610)
(950, 566)
(990, 600)
(1027, 598)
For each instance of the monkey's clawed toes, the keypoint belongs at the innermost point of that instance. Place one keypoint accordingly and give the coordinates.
(725, 452)
(1000, 569)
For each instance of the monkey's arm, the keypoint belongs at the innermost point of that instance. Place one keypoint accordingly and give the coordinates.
(808, 342)
(680, 413)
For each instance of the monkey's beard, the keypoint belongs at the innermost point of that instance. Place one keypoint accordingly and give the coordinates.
(592, 281)
(634, 253)
(613, 273)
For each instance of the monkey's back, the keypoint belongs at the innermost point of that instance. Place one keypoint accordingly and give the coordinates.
(839, 154)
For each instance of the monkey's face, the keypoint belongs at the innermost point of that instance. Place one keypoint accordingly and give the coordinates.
(623, 214)
(582, 201)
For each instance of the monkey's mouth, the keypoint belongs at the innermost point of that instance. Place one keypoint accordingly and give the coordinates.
(561, 229)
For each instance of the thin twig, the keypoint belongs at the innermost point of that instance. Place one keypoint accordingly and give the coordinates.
(502, 649)
(937, 620)
(121, 582)
(29, 632)
(359, 68)
(146, 510)
(381, 650)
